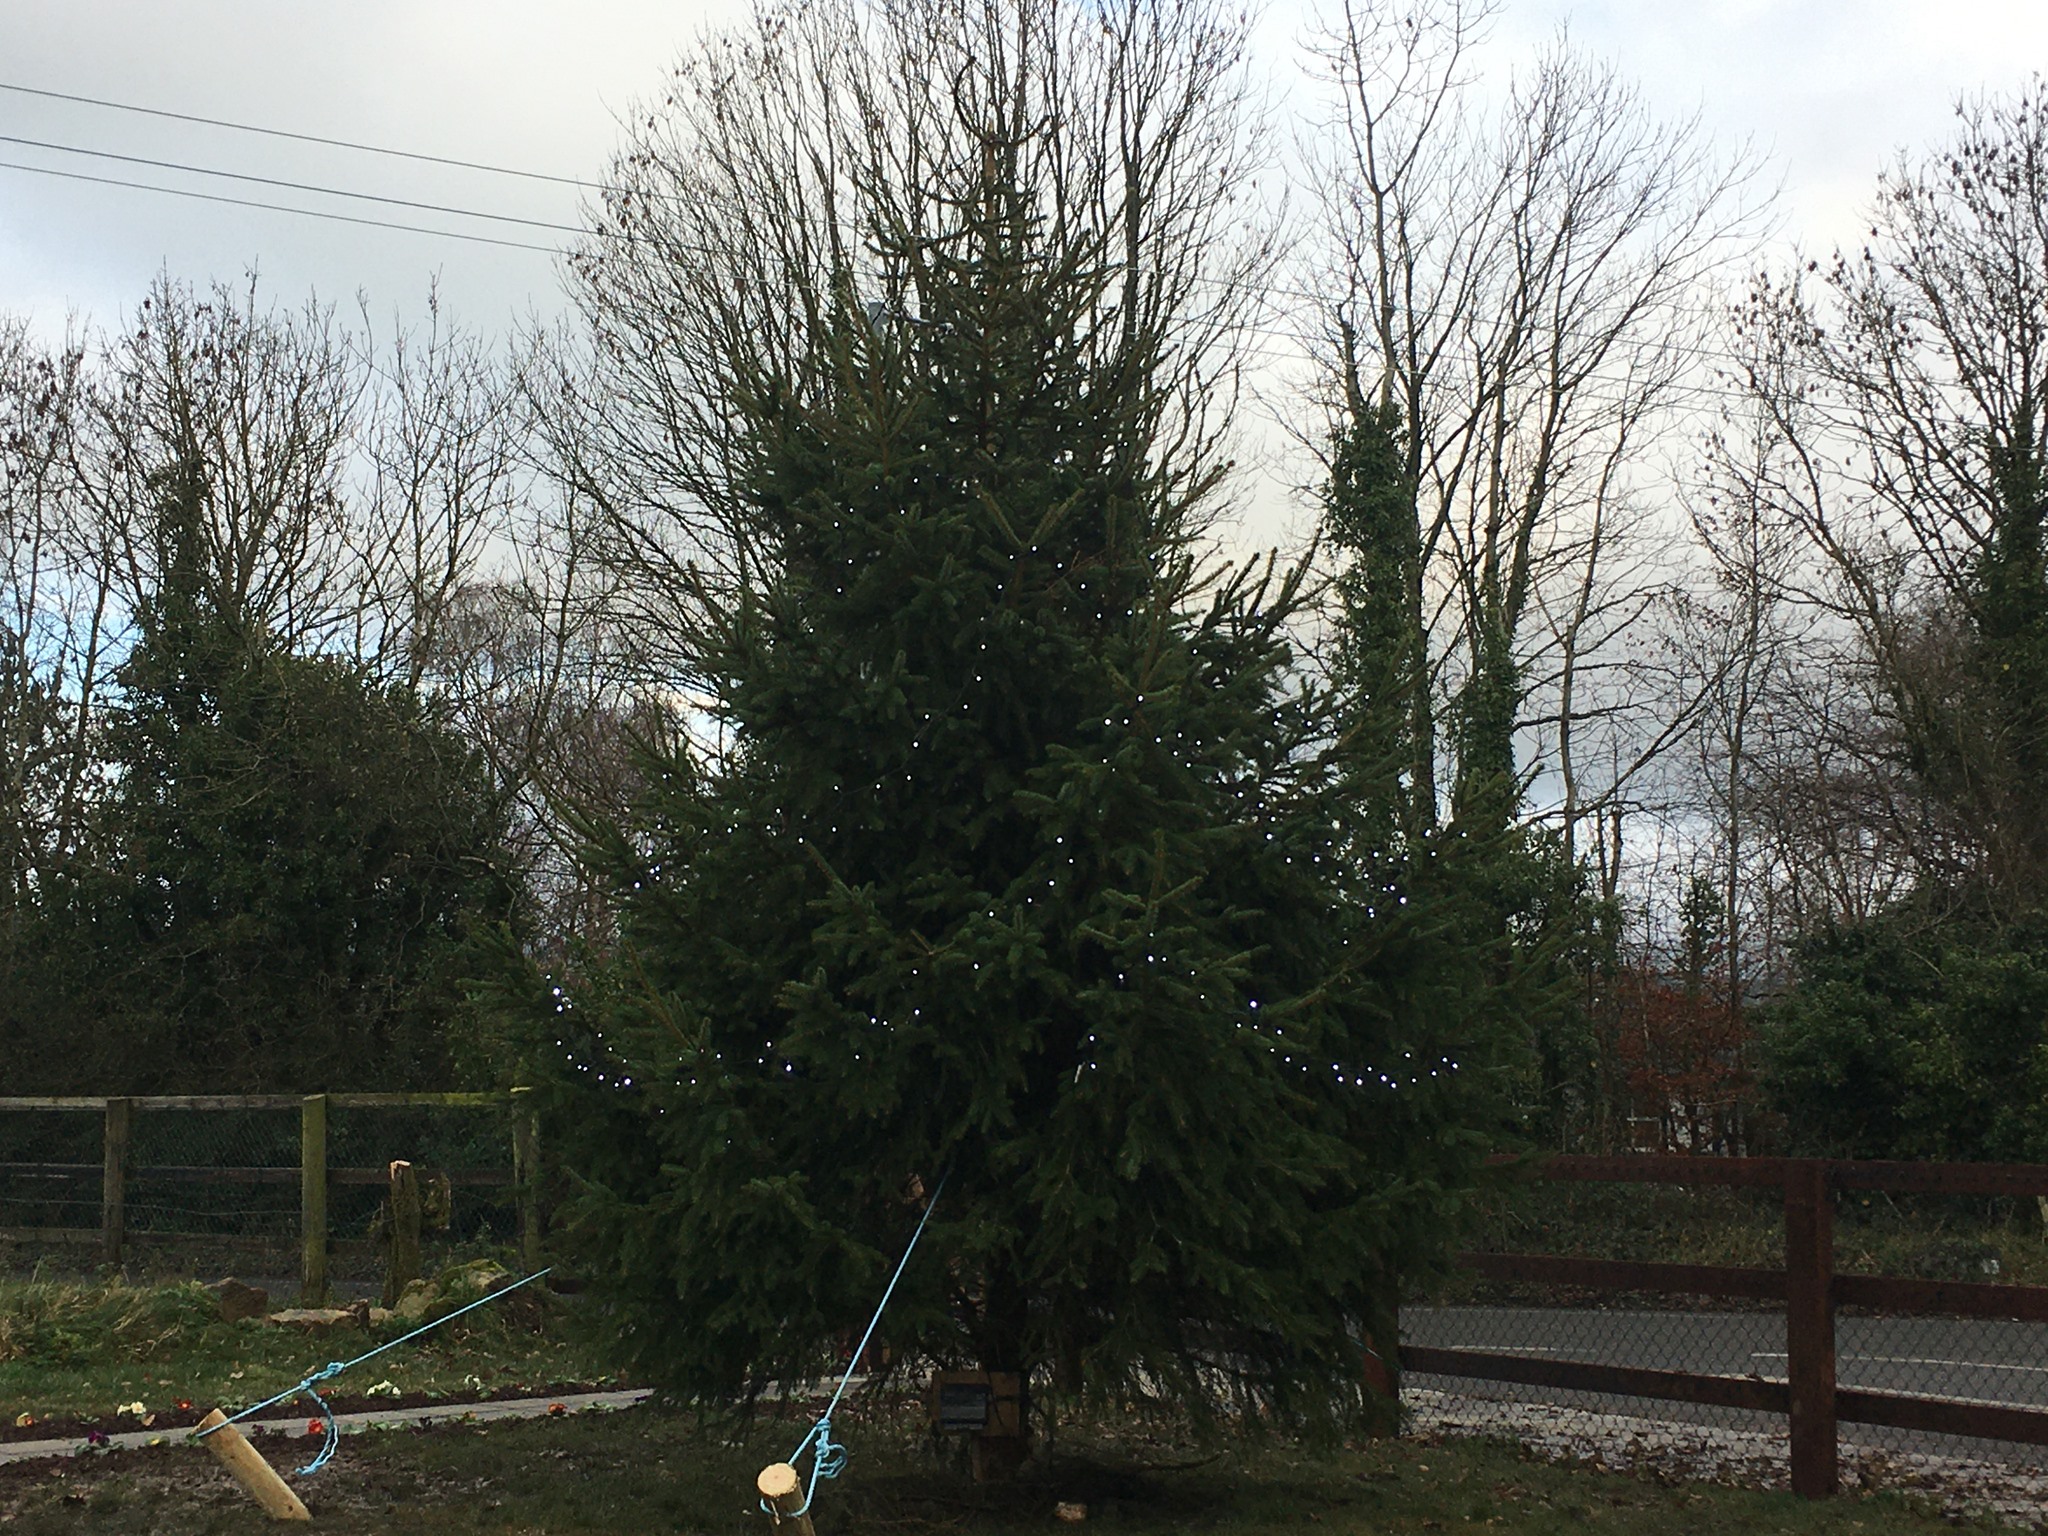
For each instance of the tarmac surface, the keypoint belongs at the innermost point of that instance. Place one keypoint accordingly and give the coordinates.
(1983, 1361)
(1980, 1361)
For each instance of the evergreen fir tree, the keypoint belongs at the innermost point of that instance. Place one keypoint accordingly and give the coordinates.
(1017, 871)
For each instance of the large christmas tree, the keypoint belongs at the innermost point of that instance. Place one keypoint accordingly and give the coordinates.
(1012, 866)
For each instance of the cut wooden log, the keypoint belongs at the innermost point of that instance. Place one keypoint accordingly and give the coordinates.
(784, 1491)
(247, 1466)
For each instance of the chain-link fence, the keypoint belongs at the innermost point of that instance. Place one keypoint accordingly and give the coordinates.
(1656, 1325)
(292, 1189)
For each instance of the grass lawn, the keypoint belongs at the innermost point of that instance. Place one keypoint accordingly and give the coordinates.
(645, 1471)
(80, 1350)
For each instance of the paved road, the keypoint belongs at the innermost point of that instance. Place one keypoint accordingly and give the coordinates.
(1986, 1361)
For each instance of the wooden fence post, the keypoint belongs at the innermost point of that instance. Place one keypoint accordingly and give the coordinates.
(526, 1174)
(313, 1200)
(1810, 1325)
(403, 1265)
(114, 1180)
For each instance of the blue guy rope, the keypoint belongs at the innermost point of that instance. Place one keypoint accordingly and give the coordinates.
(828, 1456)
(332, 1438)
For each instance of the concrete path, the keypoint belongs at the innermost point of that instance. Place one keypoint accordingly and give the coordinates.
(348, 1423)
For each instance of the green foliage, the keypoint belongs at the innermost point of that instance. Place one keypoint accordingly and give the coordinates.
(1923, 1032)
(1911, 1036)
(54, 1323)
(277, 882)
(1382, 664)
(1527, 934)
(1018, 868)
(1551, 945)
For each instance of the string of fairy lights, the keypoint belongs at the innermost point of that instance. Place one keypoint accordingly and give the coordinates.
(1413, 1073)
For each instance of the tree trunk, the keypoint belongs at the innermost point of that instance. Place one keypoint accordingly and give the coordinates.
(999, 1451)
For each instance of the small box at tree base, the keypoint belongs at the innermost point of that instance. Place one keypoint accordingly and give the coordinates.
(989, 1406)
(985, 1403)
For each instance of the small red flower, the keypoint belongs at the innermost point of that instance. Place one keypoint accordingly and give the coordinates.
(556, 1409)
(184, 1405)
(316, 1426)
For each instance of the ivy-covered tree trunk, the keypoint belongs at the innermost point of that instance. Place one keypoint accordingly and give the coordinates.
(2011, 660)
(1488, 794)
(1382, 664)
(1528, 937)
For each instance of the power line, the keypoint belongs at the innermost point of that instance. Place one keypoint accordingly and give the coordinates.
(1704, 353)
(1294, 339)
(291, 186)
(309, 213)
(303, 138)
(1265, 354)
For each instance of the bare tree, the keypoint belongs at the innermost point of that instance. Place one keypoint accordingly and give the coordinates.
(266, 403)
(1900, 389)
(1522, 286)
(537, 672)
(828, 146)
(445, 486)
(55, 582)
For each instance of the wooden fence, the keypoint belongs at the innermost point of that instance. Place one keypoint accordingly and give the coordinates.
(313, 1175)
(1808, 1287)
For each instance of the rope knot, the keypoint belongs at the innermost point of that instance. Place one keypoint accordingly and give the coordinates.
(828, 1456)
(335, 1367)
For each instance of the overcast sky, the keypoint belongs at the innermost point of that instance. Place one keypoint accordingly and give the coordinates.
(1829, 88)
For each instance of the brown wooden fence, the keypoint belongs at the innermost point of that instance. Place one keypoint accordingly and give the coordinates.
(1808, 1287)
(313, 1174)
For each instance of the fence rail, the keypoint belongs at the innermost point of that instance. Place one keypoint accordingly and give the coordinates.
(173, 1173)
(264, 1101)
(1809, 1288)
(118, 1171)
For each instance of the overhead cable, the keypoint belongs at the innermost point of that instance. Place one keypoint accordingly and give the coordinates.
(303, 138)
(310, 213)
(290, 186)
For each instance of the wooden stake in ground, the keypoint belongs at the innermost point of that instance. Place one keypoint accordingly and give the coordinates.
(250, 1469)
(784, 1491)
(404, 1265)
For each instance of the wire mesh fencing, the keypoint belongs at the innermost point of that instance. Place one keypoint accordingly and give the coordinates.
(1704, 1439)
(278, 1186)
(1898, 1328)
(50, 1167)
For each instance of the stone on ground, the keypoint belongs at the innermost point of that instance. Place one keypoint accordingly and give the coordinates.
(240, 1300)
